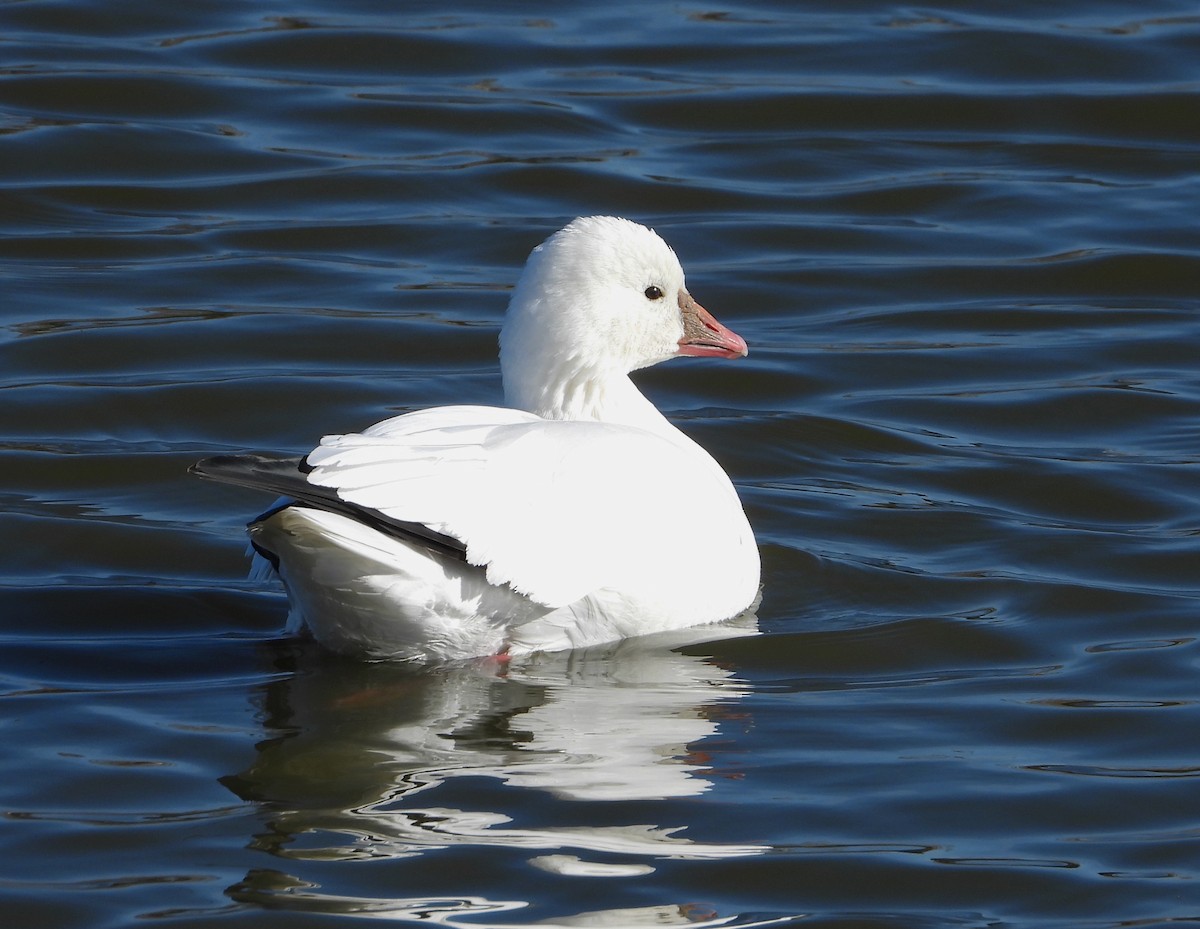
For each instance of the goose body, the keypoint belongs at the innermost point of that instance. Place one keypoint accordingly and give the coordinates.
(575, 515)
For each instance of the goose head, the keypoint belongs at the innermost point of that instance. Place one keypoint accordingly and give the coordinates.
(600, 298)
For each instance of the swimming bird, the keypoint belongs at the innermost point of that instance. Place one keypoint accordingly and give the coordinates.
(574, 515)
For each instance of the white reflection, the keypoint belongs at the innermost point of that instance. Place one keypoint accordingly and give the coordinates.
(363, 744)
(267, 888)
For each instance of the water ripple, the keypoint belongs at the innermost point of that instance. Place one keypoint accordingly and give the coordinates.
(961, 242)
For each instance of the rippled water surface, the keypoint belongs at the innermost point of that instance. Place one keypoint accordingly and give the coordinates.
(962, 242)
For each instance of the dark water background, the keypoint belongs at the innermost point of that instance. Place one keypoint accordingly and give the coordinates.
(962, 241)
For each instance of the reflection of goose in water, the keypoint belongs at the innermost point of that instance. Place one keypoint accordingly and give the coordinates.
(371, 756)
(472, 912)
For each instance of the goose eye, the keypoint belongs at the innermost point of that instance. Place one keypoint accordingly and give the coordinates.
(653, 293)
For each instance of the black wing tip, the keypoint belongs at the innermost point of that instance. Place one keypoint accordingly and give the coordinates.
(288, 477)
(216, 464)
(206, 467)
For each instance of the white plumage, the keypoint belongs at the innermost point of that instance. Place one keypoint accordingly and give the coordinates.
(584, 516)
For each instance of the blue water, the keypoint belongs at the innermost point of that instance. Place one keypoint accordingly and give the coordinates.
(962, 243)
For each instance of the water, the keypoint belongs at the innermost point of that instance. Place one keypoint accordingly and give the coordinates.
(962, 244)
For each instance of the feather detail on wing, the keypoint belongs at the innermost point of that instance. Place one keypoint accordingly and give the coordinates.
(287, 478)
(555, 509)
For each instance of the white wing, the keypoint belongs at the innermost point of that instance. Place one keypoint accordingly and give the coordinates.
(555, 509)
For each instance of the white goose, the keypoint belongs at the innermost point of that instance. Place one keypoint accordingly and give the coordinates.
(576, 515)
